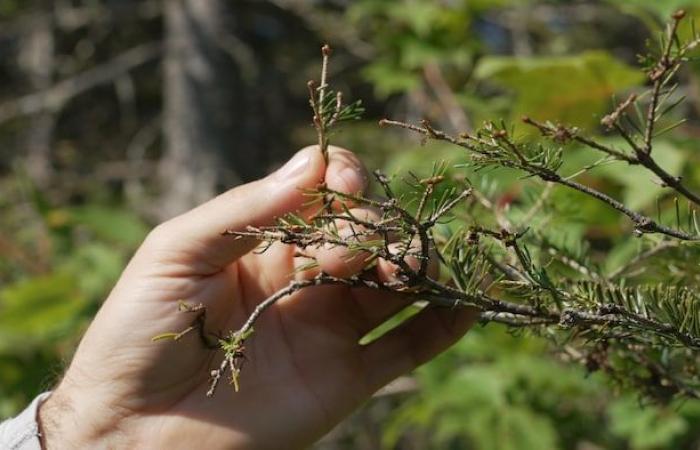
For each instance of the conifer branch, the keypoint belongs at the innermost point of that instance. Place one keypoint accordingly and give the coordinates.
(513, 276)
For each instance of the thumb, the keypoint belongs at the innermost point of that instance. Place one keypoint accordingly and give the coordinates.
(194, 239)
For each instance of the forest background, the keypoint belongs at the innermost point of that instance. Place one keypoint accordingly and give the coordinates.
(118, 114)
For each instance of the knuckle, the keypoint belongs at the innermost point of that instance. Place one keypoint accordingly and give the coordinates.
(160, 235)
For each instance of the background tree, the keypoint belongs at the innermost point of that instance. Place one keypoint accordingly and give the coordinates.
(201, 112)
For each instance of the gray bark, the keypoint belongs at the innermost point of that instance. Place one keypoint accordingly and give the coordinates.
(201, 117)
(36, 58)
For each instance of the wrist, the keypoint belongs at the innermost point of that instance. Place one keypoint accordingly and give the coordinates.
(53, 417)
(63, 425)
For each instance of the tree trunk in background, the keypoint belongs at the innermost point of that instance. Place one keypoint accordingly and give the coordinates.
(202, 116)
(36, 58)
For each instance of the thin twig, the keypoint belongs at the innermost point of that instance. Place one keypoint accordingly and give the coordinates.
(657, 76)
(643, 224)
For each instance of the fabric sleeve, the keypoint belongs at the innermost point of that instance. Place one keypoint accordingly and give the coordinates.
(22, 431)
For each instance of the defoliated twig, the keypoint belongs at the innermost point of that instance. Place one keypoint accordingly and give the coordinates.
(640, 157)
(643, 224)
(317, 99)
(658, 76)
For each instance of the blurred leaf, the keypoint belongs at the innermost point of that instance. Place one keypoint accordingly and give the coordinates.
(496, 391)
(646, 428)
(38, 309)
(570, 89)
(96, 268)
(418, 15)
(117, 225)
(389, 80)
(409, 34)
(641, 187)
(661, 8)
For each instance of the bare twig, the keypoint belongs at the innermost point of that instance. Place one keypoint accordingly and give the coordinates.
(658, 75)
(643, 224)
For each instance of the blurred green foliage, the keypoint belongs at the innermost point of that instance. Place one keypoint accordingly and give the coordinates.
(56, 273)
(495, 390)
(417, 33)
(501, 390)
(570, 89)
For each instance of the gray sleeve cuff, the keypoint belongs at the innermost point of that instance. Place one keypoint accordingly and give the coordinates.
(22, 432)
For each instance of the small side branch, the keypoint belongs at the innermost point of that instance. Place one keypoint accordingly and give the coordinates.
(643, 224)
(55, 97)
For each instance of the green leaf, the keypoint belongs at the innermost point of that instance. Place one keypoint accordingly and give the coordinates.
(661, 8)
(570, 89)
(645, 427)
(164, 336)
(38, 309)
(390, 324)
(641, 187)
(389, 80)
(96, 267)
(117, 225)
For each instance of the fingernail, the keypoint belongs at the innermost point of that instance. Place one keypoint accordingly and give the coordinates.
(294, 167)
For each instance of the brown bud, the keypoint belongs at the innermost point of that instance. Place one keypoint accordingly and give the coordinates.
(678, 15)
(326, 50)
(562, 134)
(432, 180)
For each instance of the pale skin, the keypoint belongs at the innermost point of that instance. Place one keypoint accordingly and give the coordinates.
(305, 368)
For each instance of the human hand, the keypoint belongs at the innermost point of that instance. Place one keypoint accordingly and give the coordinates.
(306, 369)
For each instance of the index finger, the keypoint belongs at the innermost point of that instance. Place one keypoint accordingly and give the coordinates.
(194, 241)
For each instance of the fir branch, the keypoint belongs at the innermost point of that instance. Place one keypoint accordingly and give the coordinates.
(328, 106)
(604, 322)
(658, 76)
(495, 154)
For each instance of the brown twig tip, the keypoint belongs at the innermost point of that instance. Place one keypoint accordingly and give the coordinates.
(559, 133)
(383, 122)
(326, 50)
(611, 119)
(429, 128)
(230, 232)
(432, 180)
(311, 84)
(678, 15)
